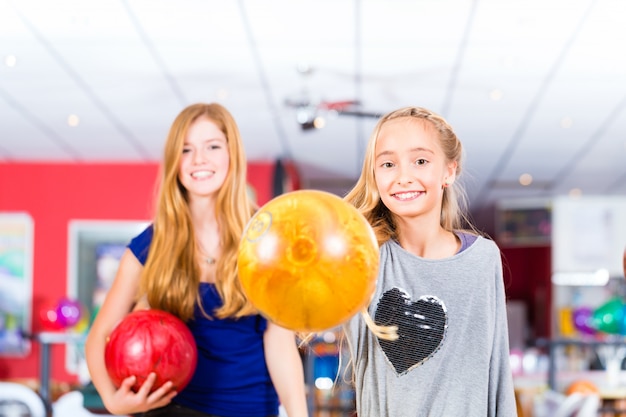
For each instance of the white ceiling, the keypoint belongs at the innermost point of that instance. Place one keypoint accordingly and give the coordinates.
(530, 86)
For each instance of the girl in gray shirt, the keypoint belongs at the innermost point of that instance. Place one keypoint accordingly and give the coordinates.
(434, 340)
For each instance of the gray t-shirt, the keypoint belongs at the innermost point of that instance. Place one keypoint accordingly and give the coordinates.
(452, 358)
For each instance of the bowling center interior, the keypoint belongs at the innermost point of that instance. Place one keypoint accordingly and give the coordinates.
(533, 89)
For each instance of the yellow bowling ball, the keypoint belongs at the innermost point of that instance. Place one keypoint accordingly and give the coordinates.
(308, 260)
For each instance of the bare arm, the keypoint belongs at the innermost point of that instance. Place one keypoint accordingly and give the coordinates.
(119, 302)
(285, 368)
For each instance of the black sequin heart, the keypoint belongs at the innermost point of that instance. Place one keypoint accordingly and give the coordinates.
(421, 328)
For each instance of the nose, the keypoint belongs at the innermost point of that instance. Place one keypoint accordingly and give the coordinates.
(404, 176)
(198, 157)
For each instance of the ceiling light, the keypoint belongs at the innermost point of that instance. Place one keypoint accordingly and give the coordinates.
(496, 95)
(303, 115)
(319, 122)
(508, 62)
(73, 120)
(525, 179)
(566, 122)
(575, 193)
(222, 93)
(10, 60)
(304, 68)
(308, 119)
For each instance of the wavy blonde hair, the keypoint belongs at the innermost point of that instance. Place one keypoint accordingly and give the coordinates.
(366, 198)
(171, 276)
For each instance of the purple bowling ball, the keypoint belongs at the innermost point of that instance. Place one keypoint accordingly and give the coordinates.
(68, 312)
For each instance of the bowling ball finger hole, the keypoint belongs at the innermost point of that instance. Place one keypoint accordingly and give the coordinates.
(303, 251)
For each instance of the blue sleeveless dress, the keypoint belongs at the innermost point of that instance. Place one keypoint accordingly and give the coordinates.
(231, 379)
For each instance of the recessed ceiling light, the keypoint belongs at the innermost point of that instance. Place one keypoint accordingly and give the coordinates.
(566, 122)
(319, 122)
(508, 62)
(496, 95)
(304, 68)
(222, 93)
(10, 60)
(73, 120)
(525, 179)
(575, 193)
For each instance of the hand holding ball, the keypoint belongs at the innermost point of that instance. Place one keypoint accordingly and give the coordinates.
(148, 341)
(308, 260)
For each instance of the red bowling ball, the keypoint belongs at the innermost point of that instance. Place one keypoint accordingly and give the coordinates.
(148, 341)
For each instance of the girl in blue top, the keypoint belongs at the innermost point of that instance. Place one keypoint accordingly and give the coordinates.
(185, 263)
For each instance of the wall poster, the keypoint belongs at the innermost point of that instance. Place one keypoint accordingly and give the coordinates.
(95, 248)
(16, 283)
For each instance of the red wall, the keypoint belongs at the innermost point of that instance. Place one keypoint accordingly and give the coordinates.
(527, 272)
(54, 194)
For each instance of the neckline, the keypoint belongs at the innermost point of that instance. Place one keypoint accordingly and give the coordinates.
(461, 251)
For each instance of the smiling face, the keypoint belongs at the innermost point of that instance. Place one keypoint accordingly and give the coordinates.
(411, 168)
(205, 159)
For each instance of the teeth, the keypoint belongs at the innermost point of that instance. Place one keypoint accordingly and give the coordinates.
(406, 196)
(201, 174)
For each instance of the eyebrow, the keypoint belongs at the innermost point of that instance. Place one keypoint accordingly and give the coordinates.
(418, 149)
(209, 140)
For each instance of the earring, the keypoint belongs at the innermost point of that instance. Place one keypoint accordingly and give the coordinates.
(445, 185)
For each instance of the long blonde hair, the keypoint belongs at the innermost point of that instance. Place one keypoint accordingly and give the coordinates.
(366, 198)
(171, 276)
